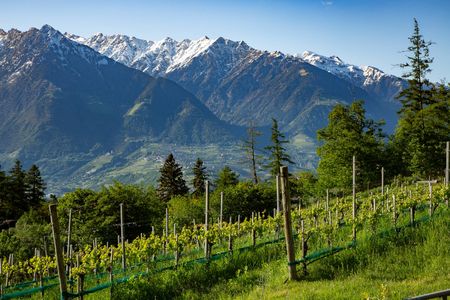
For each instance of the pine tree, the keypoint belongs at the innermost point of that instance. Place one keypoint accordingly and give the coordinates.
(199, 178)
(249, 145)
(278, 154)
(171, 182)
(226, 178)
(17, 189)
(417, 94)
(35, 186)
(423, 127)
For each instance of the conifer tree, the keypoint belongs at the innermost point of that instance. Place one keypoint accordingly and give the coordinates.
(200, 176)
(17, 189)
(171, 182)
(423, 127)
(226, 177)
(35, 186)
(418, 94)
(277, 153)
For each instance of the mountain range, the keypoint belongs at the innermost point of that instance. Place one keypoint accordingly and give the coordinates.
(90, 110)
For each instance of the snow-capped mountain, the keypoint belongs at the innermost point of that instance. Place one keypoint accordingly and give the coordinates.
(366, 77)
(161, 57)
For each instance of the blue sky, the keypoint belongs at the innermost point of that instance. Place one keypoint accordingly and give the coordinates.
(361, 32)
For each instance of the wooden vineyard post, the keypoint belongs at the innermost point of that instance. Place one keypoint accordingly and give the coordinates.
(430, 187)
(354, 198)
(122, 238)
(253, 230)
(177, 253)
(111, 267)
(69, 231)
(1, 272)
(80, 281)
(206, 218)
(447, 159)
(166, 233)
(382, 181)
(304, 246)
(277, 178)
(221, 210)
(239, 223)
(287, 223)
(58, 251)
(230, 237)
(394, 211)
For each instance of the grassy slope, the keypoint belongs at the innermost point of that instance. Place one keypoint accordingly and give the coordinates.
(412, 262)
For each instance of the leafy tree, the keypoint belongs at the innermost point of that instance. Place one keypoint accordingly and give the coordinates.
(171, 182)
(97, 214)
(249, 145)
(278, 154)
(349, 133)
(304, 186)
(423, 127)
(35, 186)
(200, 176)
(183, 210)
(226, 177)
(243, 199)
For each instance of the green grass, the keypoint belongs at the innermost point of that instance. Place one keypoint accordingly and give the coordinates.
(399, 265)
(394, 265)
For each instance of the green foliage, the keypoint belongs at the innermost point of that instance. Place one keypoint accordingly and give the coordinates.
(424, 125)
(277, 153)
(417, 95)
(97, 214)
(171, 182)
(226, 178)
(200, 176)
(243, 199)
(304, 185)
(31, 229)
(349, 133)
(20, 191)
(35, 187)
(183, 210)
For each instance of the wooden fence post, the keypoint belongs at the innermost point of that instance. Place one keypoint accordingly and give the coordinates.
(206, 218)
(354, 198)
(382, 181)
(447, 159)
(58, 251)
(277, 178)
(287, 223)
(122, 237)
(221, 210)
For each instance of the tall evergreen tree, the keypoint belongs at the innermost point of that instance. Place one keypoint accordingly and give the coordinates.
(423, 127)
(225, 178)
(171, 180)
(17, 189)
(200, 176)
(249, 145)
(277, 153)
(349, 133)
(417, 94)
(35, 186)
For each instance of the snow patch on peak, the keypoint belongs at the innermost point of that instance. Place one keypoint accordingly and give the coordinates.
(360, 75)
(187, 50)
